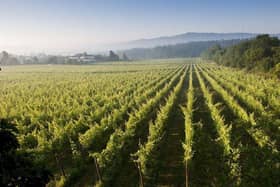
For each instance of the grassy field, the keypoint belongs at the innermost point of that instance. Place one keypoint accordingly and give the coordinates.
(148, 123)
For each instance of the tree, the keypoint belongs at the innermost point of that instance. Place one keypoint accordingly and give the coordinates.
(4, 58)
(260, 54)
(35, 60)
(113, 56)
(124, 57)
(7, 59)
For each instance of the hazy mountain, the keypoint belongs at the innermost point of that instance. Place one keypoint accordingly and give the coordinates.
(182, 50)
(184, 38)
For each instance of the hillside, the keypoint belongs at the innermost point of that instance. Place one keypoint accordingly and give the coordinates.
(184, 38)
(192, 49)
(261, 54)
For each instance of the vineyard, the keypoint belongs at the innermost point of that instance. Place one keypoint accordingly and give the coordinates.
(183, 122)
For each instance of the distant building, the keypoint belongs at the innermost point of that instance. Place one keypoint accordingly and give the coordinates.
(83, 58)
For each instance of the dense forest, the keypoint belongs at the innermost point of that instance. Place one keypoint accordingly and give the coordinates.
(192, 49)
(261, 54)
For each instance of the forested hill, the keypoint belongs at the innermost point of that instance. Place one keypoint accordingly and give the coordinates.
(192, 49)
(185, 38)
(261, 54)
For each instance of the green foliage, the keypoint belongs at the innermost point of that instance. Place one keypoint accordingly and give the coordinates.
(112, 156)
(18, 168)
(259, 135)
(276, 70)
(223, 131)
(147, 155)
(260, 54)
(244, 96)
(63, 116)
(29, 142)
(95, 138)
(188, 113)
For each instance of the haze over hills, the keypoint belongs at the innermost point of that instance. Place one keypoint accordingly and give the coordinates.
(180, 50)
(103, 48)
(142, 45)
(184, 38)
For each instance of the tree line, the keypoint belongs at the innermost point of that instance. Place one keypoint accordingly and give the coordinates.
(80, 58)
(261, 54)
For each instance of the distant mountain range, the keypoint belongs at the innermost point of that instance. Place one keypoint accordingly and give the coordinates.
(184, 38)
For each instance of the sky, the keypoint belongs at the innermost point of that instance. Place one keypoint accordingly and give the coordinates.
(63, 26)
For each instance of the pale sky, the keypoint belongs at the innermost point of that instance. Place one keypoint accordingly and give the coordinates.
(63, 26)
